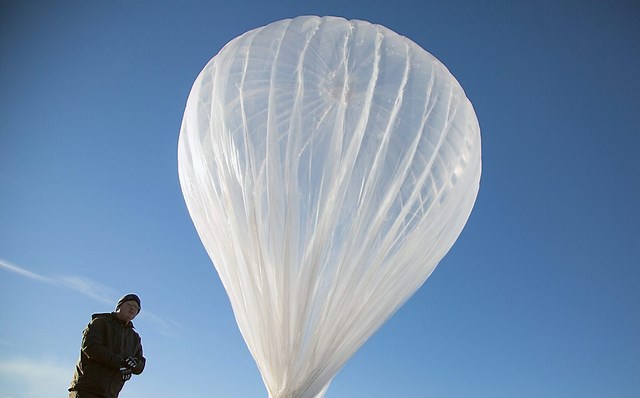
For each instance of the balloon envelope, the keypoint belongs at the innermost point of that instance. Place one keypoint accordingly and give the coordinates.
(328, 166)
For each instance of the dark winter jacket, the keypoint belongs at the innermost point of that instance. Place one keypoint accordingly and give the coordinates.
(106, 341)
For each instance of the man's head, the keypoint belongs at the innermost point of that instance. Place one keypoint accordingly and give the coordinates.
(128, 307)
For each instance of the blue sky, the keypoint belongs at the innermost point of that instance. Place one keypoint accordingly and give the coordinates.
(538, 298)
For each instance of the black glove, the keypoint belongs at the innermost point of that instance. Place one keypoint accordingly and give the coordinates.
(129, 362)
(126, 373)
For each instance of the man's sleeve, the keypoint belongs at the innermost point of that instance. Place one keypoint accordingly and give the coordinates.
(92, 344)
(140, 358)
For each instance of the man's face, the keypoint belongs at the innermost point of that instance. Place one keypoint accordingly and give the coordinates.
(128, 310)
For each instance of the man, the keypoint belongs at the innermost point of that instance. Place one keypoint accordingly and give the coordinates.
(111, 352)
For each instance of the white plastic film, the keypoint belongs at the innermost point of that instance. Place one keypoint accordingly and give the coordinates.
(328, 166)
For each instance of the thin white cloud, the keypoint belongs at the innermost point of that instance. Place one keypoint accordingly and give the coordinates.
(87, 287)
(93, 290)
(25, 377)
(164, 326)
(23, 272)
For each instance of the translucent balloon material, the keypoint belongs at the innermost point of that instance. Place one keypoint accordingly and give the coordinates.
(328, 166)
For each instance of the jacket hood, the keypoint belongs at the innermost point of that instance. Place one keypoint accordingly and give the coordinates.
(112, 315)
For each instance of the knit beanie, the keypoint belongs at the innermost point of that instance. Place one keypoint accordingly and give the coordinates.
(129, 297)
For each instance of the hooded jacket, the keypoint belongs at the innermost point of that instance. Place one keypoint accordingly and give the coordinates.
(106, 341)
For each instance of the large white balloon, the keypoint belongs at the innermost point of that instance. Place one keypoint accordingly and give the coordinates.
(328, 165)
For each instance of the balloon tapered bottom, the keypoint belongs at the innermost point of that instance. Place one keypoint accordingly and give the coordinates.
(303, 395)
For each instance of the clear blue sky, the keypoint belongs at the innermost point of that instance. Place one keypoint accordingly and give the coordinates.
(539, 297)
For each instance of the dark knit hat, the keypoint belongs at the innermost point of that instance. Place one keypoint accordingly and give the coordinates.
(129, 297)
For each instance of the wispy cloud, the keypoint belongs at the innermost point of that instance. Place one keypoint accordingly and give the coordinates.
(87, 287)
(93, 290)
(21, 271)
(25, 377)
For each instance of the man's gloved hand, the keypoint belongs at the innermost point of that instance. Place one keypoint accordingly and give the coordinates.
(126, 373)
(129, 362)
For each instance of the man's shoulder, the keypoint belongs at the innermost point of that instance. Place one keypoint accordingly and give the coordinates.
(101, 317)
